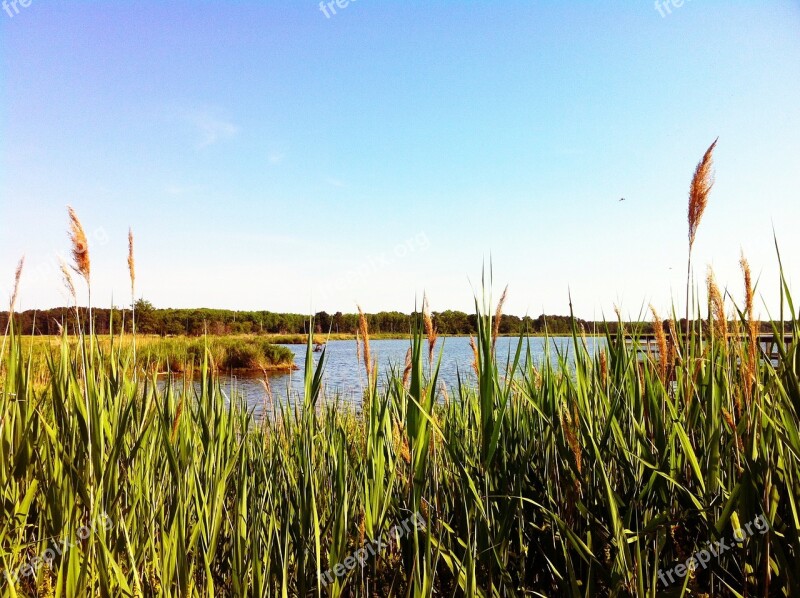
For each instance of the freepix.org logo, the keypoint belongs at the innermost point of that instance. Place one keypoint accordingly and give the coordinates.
(12, 6)
(58, 547)
(328, 8)
(713, 549)
(362, 555)
(664, 7)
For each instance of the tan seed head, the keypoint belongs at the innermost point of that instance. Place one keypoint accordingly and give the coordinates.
(80, 245)
(702, 181)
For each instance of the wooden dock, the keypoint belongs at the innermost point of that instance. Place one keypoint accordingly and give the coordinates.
(767, 340)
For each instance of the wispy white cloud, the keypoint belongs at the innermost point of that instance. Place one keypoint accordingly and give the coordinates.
(275, 157)
(210, 127)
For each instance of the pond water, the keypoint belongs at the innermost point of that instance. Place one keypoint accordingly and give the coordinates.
(344, 375)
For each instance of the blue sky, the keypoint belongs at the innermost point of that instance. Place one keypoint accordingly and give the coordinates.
(270, 157)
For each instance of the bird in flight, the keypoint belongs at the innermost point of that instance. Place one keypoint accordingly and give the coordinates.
(622, 199)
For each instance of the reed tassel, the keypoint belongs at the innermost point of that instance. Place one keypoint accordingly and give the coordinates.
(702, 182)
(661, 343)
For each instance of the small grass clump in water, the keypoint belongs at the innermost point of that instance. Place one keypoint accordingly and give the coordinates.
(238, 353)
(242, 354)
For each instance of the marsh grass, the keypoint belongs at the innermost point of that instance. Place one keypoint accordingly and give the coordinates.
(581, 475)
(562, 480)
(240, 354)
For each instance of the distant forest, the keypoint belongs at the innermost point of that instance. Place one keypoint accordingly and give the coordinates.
(196, 322)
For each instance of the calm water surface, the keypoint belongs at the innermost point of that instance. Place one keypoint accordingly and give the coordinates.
(344, 376)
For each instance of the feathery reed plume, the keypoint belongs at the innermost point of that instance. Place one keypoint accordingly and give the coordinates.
(17, 276)
(67, 278)
(474, 355)
(445, 394)
(569, 428)
(80, 246)
(131, 261)
(720, 320)
(702, 181)
(535, 375)
(364, 330)
(661, 343)
(82, 265)
(362, 528)
(748, 287)
(728, 418)
(751, 364)
(732, 425)
(177, 420)
(132, 272)
(430, 331)
(698, 366)
(407, 370)
(498, 314)
(12, 304)
(405, 453)
(604, 367)
(673, 348)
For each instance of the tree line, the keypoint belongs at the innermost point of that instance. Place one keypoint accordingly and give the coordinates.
(196, 322)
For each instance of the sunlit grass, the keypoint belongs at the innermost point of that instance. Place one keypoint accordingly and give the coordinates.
(581, 479)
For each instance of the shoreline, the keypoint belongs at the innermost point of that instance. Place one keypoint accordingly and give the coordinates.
(290, 338)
